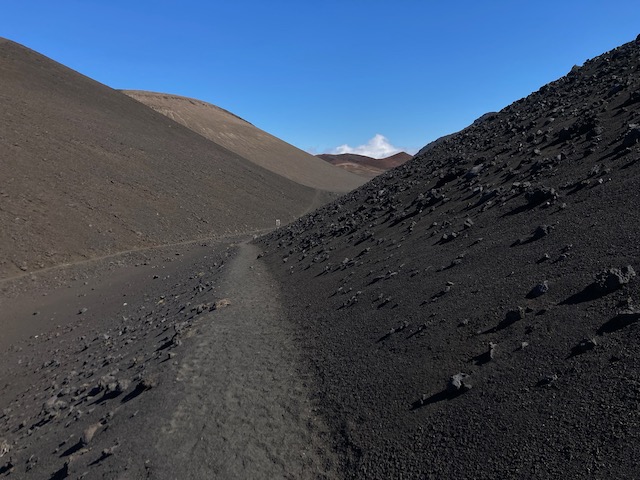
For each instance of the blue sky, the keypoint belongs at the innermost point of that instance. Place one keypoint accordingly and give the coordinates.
(326, 74)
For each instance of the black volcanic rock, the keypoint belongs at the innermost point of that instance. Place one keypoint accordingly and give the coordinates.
(563, 141)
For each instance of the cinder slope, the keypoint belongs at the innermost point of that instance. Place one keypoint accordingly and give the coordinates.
(488, 254)
(85, 171)
(248, 141)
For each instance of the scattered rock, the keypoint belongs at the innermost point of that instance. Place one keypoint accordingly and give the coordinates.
(614, 278)
(459, 383)
(147, 383)
(539, 290)
(548, 381)
(631, 137)
(584, 346)
(511, 317)
(5, 447)
(225, 302)
(492, 350)
(89, 433)
(538, 195)
(448, 237)
(541, 231)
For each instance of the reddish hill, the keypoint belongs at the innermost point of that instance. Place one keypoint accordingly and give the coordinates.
(364, 165)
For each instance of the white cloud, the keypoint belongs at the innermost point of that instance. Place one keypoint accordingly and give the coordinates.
(377, 147)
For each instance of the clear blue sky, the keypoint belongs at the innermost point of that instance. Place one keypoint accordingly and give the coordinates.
(327, 73)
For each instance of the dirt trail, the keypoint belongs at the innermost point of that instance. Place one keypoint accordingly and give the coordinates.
(242, 408)
(147, 249)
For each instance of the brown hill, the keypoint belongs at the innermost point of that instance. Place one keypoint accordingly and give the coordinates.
(88, 171)
(248, 141)
(474, 312)
(363, 165)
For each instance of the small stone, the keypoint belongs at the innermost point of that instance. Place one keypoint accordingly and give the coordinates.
(548, 381)
(89, 433)
(107, 452)
(459, 383)
(447, 237)
(585, 345)
(5, 447)
(539, 195)
(147, 383)
(539, 289)
(225, 302)
(632, 137)
(614, 278)
(542, 231)
(82, 310)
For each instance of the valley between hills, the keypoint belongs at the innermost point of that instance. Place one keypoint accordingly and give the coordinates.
(468, 312)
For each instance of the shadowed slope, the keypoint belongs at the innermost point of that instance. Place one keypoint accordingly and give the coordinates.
(248, 141)
(89, 171)
(447, 303)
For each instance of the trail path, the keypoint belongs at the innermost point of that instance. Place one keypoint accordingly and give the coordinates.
(149, 249)
(242, 408)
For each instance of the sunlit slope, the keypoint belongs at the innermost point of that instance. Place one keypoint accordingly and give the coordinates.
(85, 170)
(248, 141)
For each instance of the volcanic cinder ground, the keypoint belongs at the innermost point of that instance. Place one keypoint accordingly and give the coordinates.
(472, 313)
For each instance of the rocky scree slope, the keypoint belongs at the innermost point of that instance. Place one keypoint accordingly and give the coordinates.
(474, 313)
(86, 397)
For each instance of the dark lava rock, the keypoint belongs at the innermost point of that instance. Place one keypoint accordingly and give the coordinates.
(584, 346)
(539, 290)
(538, 195)
(548, 381)
(459, 383)
(614, 278)
(623, 319)
(632, 137)
(541, 231)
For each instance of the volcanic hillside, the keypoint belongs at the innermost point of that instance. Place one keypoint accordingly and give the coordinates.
(506, 254)
(88, 171)
(365, 166)
(248, 141)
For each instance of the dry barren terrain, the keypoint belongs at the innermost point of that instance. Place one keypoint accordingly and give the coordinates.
(472, 313)
(248, 141)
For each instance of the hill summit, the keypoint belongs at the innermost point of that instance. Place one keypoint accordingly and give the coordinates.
(87, 171)
(241, 137)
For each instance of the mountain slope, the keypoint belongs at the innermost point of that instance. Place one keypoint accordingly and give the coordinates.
(502, 253)
(248, 141)
(89, 171)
